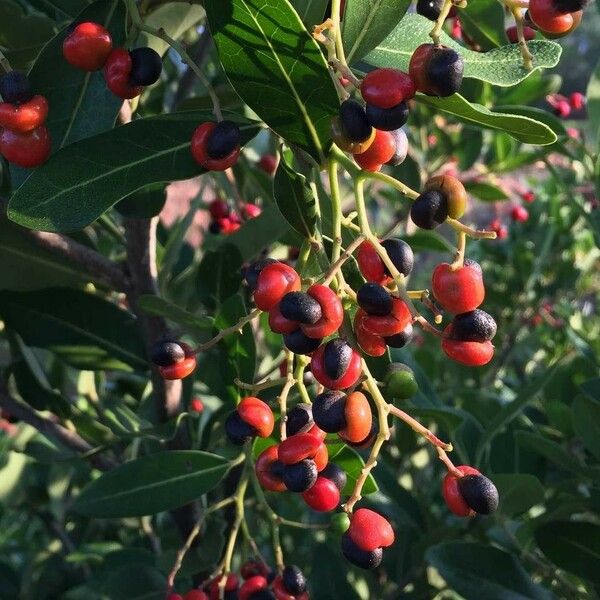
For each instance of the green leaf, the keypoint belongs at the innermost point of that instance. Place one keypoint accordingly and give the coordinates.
(367, 23)
(219, 275)
(143, 204)
(586, 421)
(60, 8)
(573, 546)
(593, 101)
(521, 128)
(477, 571)
(428, 240)
(295, 198)
(518, 492)
(312, 12)
(537, 114)
(175, 18)
(155, 305)
(133, 582)
(500, 66)
(66, 193)
(85, 330)
(349, 460)
(151, 484)
(284, 78)
(483, 22)
(485, 191)
(80, 103)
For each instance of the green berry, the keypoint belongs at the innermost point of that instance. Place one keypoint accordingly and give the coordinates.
(340, 523)
(400, 382)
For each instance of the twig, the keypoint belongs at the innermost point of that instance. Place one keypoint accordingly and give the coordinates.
(346, 255)
(470, 232)
(418, 428)
(225, 332)
(282, 398)
(434, 34)
(257, 387)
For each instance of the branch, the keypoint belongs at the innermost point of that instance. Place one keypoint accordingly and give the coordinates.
(52, 430)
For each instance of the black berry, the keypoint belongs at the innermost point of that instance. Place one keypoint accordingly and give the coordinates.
(479, 493)
(223, 140)
(253, 271)
(293, 580)
(299, 419)
(400, 339)
(237, 430)
(335, 474)
(354, 121)
(336, 358)
(328, 411)
(429, 210)
(299, 343)
(146, 66)
(374, 299)
(15, 88)
(300, 476)
(474, 326)
(430, 9)
(401, 151)
(357, 556)
(400, 254)
(387, 119)
(300, 307)
(167, 353)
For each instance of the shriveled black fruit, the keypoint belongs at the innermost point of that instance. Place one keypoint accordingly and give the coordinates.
(429, 210)
(299, 419)
(300, 307)
(336, 358)
(299, 343)
(400, 254)
(387, 119)
(357, 556)
(264, 594)
(374, 299)
(569, 6)
(237, 430)
(224, 138)
(335, 474)
(354, 121)
(479, 493)
(300, 476)
(430, 9)
(167, 353)
(146, 66)
(400, 339)
(328, 411)
(445, 71)
(473, 326)
(15, 87)
(293, 580)
(253, 271)
(401, 151)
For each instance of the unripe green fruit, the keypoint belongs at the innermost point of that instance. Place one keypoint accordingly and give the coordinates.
(400, 382)
(340, 523)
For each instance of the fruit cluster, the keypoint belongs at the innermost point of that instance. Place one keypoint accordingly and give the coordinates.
(260, 582)
(225, 220)
(24, 138)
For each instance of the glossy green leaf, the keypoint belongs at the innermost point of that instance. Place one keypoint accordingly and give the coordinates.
(477, 571)
(367, 23)
(483, 22)
(155, 305)
(219, 275)
(485, 191)
(80, 103)
(573, 546)
(521, 128)
(295, 198)
(586, 421)
(500, 66)
(518, 492)
(284, 79)
(143, 204)
(66, 193)
(151, 484)
(85, 330)
(537, 114)
(175, 18)
(349, 460)
(312, 12)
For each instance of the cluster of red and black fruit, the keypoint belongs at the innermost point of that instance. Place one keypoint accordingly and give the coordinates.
(225, 220)
(174, 359)
(24, 137)
(252, 418)
(368, 534)
(469, 494)
(260, 582)
(88, 46)
(554, 18)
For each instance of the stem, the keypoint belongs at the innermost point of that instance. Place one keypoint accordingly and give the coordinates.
(434, 34)
(461, 246)
(336, 17)
(418, 428)
(336, 266)
(282, 398)
(523, 48)
(257, 387)
(299, 377)
(470, 232)
(225, 332)
(336, 208)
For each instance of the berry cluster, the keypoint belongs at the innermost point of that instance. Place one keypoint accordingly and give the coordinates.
(225, 220)
(88, 46)
(24, 139)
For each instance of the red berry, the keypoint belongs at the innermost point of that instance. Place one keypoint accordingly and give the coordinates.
(298, 447)
(562, 109)
(436, 70)
(88, 46)
(471, 354)
(180, 370)
(117, 70)
(378, 153)
(26, 150)
(458, 291)
(396, 322)
(258, 415)
(577, 100)
(219, 209)
(252, 568)
(386, 88)
(195, 595)
(370, 530)
(264, 470)
(200, 149)
(321, 457)
(519, 214)
(359, 418)
(528, 33)
(528, 196)
(348, 377)
(373, 345)
(252, 585)
(545, 15)
(370, 264)
(230, 586)
(273, 283)
(23, 118)
(251, 211)
(279, 324)
(323, 496)
(452, 495)
(268, 163)
(332, 312)
(196, 405)
(175, 597)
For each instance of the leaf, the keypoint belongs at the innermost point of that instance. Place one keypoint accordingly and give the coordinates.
(350, 461)
(367, 23)
(593, 101)
(500, 66)
(586, 421)
(521, 128)
(133, 582)
(518, 492)
(143, 204)
(312, 12)
(486, 191)
(219, 275)
(428, 240)
(80, 103)
(483, 22)
(573, 546)
(477, 571)
(85, 330)
(276, 68)
(537, 114)
(151, 484)
(175, 18)
(64, 8)
(295, 198)
(85, 179)
(155, 305)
